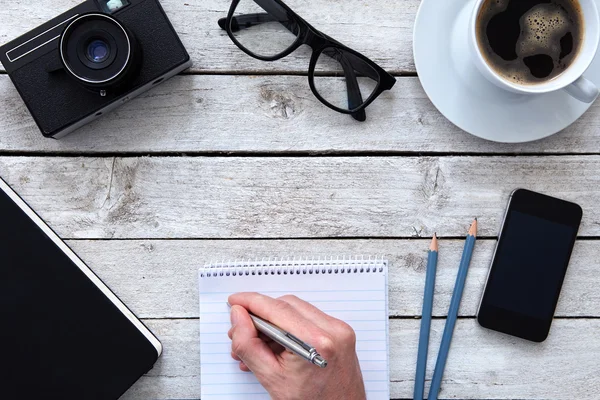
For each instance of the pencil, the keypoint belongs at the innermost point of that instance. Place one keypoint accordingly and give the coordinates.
(426, 319)
(440, 364)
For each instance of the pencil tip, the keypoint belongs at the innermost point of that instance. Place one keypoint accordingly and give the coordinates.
(434, 243)
(473, 228)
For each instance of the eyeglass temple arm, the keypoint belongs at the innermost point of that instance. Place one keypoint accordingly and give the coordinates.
(274, 13)
(356, 63)
(352, 63)
(249, 20)
(354, 96)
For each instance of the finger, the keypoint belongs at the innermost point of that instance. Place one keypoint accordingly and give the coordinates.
(246, 344)
(235, 356)
(261, 335)
(277, 312)
(276, 347)
(264, 337)
(327, 323)
(244, 367)
(309, 312)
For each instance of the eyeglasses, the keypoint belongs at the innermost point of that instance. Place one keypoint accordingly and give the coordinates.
(341, 78)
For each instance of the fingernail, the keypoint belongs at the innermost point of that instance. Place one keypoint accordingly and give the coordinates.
(234, 316)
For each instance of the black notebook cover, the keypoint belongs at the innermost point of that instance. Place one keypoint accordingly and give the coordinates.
(63, 334)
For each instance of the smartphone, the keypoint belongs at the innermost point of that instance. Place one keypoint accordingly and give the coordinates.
(529, 265)
(64, 334)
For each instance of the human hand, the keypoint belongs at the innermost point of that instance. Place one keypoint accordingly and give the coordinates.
(283, 374)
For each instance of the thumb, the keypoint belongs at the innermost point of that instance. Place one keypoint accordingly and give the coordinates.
(246, 344)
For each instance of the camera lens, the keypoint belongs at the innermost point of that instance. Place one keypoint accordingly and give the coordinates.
(99, 52)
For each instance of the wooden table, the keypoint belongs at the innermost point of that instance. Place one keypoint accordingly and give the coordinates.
(237, 159)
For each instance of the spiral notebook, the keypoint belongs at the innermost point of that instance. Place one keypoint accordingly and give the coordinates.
(353, 290)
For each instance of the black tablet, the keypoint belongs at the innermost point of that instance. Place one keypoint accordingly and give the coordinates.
(64, 334)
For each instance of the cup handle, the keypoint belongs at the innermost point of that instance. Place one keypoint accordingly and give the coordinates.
(583, 90)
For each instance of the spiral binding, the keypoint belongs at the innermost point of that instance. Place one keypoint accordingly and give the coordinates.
(294, 266)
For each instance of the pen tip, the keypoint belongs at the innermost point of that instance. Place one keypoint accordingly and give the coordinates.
(320, 361)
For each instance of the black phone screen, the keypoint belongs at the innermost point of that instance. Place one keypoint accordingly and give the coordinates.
(62, 338)
(529, 265)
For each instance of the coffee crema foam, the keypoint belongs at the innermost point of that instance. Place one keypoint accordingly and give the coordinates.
(529, 41)
(541, 31)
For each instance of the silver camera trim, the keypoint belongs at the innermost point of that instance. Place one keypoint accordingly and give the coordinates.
(34, 38)
(62, 57)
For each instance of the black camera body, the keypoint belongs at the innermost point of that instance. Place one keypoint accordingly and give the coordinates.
(91, 59)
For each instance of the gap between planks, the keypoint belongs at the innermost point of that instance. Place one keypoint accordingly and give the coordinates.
(397, 74)
(287, 154)
(394, 317)
(324, 238)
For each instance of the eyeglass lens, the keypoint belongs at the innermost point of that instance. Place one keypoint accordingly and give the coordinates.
(343, 79)
(263, 27)
(266, 29)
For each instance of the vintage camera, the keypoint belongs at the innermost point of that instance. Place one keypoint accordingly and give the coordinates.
(91, 59)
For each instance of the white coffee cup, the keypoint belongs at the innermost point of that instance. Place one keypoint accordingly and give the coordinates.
(571, 80)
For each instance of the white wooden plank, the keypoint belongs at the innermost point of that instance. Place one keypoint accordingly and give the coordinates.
(157, 279)
(380, 29)
(191, 114)
(256, 197)
(482, 364)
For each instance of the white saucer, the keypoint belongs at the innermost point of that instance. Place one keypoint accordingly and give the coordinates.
(466, 98)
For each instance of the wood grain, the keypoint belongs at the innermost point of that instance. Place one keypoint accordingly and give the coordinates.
(264, 197)
(200, 114)
(232, 104)
(380, 29)
(158, 278)
(482, 364)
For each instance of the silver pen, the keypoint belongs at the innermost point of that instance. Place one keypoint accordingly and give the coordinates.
(287, 340)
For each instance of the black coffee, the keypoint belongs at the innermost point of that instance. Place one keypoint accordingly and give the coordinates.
(530, 41)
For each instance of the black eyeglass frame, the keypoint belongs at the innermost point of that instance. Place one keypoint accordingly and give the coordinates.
(318, 41)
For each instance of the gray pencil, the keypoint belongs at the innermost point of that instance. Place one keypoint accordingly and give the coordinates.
(426, 319)
(440, 364)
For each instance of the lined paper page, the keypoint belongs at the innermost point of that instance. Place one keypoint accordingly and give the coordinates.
(360, 299)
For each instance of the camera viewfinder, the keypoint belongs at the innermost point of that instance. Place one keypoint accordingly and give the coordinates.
(110, 6)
